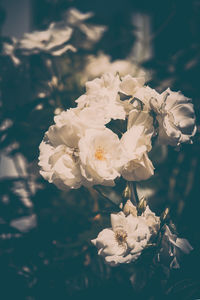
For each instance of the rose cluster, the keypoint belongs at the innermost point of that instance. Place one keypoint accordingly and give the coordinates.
(81, 149)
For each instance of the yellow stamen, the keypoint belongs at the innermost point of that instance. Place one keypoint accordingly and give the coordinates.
(100, 154)
(121, 236)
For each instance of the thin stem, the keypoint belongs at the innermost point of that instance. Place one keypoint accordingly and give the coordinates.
(102, 194)
(133, 192)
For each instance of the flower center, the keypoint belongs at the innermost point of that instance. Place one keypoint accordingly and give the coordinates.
(120, 236)
(100, 154)
(73, 152)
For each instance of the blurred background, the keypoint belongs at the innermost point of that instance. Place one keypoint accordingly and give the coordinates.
(45, 233)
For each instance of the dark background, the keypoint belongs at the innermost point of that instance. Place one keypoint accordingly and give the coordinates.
(49, 255)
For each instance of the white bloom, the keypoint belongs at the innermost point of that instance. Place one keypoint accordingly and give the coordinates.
(176, 118)
(111, 106)
(96, 66)
(59, 153)
(51, 40)
(124, 242)
(103, 93)
(100, 64)
(60, 166)
(87, 33)
(55, 39)
(124, 67)
(136, 142)
(100, 157)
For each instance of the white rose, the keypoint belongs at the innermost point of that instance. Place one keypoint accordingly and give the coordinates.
(136, 142)
(176, 118)
(103, 61)
(102, 93)
(124, 67)
(66, 131)
(58, 159)
(60, 166)
(86, 34)
(59, 153)
(124, 242)
(100, 157)
(53, 40)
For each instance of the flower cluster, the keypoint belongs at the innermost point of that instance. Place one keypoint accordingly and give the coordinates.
(108, 135)
(82, 149)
